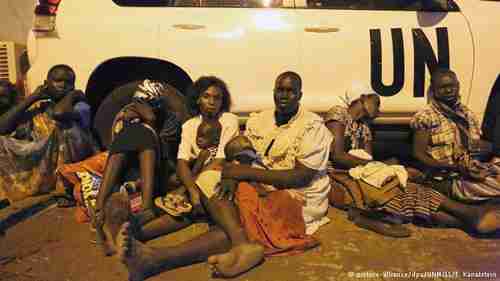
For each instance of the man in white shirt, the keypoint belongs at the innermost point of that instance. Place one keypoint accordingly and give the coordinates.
(295, 146)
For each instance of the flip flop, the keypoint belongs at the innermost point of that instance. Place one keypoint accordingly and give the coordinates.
(174, 204)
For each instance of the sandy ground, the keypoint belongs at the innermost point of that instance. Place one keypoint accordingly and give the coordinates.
(51, 246)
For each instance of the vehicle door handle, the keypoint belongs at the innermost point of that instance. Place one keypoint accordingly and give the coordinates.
(321, 29)
(188, 26)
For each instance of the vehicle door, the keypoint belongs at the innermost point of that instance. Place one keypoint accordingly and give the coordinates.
(389, 45)
(246, 43)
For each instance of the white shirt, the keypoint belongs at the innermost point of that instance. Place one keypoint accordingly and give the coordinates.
(305, 139)
(189, 150)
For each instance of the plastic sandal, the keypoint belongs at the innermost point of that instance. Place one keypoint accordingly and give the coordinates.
(174, 204)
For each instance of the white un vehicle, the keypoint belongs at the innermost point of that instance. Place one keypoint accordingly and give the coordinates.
(391, 45)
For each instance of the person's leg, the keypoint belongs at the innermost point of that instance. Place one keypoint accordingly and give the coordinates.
(225, 214)
(147, 162)
(112, 173)
(160, 226)
(482, 218)
(142, 260)
(444, 219)
(243, 255)
(148, 172)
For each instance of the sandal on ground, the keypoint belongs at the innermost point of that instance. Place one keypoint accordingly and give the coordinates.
(378, 226)
(174, 204)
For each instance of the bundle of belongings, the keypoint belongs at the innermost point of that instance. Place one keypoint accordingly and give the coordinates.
(86, 179)
(364, 190)
(377, 183)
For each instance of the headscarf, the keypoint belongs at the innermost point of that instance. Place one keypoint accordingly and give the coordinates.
(355, 91)
(150, 92)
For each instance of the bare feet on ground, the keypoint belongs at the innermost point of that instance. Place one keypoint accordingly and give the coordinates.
(116, 213)
(137, 257)
(489, 219)
(238, 260)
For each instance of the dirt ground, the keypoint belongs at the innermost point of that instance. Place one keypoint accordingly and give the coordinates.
(51, 246)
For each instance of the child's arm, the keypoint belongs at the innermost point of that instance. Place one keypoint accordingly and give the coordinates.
(200, 162)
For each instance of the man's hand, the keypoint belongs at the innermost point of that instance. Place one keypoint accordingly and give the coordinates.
(77, 96)
(228, 169)
(478, 175)
(227, 188)
(41, 93)
(261, 191)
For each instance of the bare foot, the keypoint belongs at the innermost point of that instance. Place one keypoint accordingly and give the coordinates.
(238, 260)
(116, 213)
(137, 257)
(489, 219)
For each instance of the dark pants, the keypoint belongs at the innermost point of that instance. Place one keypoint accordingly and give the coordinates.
(491, 120)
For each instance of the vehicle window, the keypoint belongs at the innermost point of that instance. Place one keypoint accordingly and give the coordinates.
(390, 5)
(203, 3)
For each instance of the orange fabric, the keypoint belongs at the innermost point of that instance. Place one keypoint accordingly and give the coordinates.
(95, 165)
(275, 221)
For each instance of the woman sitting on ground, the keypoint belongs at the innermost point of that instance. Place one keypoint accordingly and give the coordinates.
(49, 128)
(412, 203)
(210, 100)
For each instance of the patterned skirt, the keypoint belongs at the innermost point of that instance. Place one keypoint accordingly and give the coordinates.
(418, 203)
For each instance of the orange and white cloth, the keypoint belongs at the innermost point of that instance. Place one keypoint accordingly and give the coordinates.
(274, 221)
(305, 140)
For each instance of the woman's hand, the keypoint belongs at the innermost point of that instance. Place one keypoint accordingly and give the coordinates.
(195, 199)
(194, 196)
(204, 155)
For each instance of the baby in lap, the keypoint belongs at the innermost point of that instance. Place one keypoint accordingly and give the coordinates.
(176, 202)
